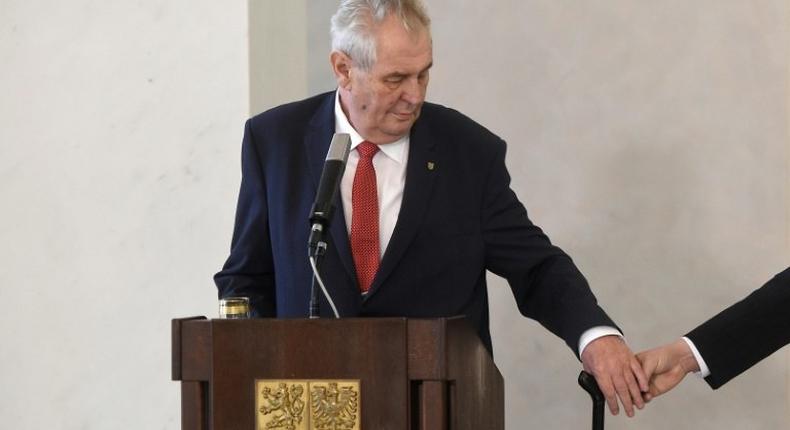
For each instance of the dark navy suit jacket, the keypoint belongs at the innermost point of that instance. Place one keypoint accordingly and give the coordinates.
(458, 219)
(746, 332)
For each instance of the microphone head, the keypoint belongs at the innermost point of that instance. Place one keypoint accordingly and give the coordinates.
(334, 166)
(339, 147)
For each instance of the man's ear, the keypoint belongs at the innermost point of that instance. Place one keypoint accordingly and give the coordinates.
(341, 67)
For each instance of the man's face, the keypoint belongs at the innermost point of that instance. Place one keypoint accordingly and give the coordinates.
(383, 103)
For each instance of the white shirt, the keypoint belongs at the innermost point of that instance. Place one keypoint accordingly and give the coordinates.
(390, 165)
(704, 371)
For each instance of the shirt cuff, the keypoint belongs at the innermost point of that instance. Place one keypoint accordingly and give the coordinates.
(594, 333)
(704, 371)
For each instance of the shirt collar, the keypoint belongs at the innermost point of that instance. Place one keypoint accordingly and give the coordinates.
(392, 150)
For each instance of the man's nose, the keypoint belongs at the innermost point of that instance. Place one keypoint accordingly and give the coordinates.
(413, 91)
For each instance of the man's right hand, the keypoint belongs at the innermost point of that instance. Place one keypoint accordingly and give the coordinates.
(666, 366)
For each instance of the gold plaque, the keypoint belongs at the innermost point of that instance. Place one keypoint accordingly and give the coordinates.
(290, 404)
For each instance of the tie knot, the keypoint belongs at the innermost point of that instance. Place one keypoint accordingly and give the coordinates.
(367, 149)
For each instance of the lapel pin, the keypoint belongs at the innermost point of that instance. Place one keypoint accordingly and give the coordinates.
(431, 165)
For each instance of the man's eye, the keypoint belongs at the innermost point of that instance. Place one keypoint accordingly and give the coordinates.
(394, 79)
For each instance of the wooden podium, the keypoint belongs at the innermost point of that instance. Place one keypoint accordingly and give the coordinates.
(336, 374)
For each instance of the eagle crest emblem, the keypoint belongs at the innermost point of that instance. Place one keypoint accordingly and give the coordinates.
(333, 407)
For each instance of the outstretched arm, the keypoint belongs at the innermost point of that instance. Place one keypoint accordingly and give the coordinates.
(666, 366)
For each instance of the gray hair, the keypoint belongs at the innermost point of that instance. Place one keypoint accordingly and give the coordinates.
(355, 20)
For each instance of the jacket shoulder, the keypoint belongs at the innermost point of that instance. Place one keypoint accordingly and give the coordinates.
(295, 114)
(460, 129)
(456, 123)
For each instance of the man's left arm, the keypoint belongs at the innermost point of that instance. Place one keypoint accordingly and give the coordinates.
(550, 289)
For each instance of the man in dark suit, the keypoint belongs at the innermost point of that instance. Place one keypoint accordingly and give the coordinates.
(425, 206)
(728, 344)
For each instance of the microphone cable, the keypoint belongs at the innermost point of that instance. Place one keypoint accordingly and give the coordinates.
(317, 277)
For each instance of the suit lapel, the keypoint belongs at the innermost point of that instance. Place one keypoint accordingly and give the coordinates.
(420, 180)
(317, 140)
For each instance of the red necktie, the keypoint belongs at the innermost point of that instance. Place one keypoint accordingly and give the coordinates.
(365, 217)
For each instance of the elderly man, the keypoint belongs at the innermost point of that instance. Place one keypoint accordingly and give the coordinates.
(426, 205)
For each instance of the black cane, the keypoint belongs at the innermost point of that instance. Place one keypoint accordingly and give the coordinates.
(587, 382)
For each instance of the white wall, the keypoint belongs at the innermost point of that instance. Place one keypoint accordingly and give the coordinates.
(650, 139)
(120, 125)
(277, 52)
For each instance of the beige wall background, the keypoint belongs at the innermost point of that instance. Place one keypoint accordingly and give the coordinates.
(649, 139)
(120, 125)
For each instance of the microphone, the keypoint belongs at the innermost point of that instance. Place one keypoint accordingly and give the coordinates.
(323, 206)
(321, 215)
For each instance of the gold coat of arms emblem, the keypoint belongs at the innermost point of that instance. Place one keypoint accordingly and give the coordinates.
(333, 405)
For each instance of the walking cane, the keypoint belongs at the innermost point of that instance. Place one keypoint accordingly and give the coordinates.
(587, 382)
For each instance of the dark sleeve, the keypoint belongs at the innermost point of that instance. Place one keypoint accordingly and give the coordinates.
(249, 271)
(545, 282)
(746, 332)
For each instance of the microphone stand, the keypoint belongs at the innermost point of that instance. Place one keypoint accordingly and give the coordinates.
(316, 250)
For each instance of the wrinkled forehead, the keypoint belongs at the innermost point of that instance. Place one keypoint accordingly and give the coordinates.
(405, 56)
(393, 39)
